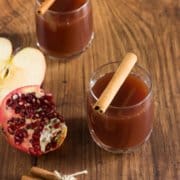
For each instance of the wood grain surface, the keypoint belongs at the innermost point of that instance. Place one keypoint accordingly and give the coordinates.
(150, 28)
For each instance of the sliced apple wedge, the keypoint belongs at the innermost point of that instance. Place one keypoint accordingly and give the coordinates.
(30, 63)
(5, 49)
(5, 54)
(27, 67)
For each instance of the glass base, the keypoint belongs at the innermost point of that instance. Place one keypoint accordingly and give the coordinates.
(115, 150)
(66, 56)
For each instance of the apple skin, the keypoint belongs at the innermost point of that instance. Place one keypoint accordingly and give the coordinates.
(27, 67)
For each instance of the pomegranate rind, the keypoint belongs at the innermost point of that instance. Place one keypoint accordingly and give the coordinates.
(62, 136)
(6, 113)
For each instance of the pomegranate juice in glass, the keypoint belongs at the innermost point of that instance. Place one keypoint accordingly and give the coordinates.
(66, 29)
(128, 121)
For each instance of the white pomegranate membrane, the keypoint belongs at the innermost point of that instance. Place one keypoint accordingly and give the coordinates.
(30, 121)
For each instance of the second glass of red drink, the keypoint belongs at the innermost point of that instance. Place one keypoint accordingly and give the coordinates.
(66, 29)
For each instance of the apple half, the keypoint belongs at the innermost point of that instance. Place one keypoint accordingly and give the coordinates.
(26, 67)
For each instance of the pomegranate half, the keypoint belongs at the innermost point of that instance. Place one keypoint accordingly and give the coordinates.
(30, 121)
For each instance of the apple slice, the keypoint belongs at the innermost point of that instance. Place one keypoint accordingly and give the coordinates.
(30, 63)
(5, 49)
(5, 54)
(27, 67)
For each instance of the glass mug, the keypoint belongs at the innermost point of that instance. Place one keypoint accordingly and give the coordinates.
(66, 29)
(128, 121)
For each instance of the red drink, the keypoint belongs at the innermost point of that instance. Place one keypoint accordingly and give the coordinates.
(127, 123)
(66, 28)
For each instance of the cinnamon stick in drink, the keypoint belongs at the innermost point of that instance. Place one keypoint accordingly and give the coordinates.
(116, 82)
(45, 6)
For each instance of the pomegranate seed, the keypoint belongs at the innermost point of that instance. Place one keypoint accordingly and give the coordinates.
(56, 126)
(17, 110)
(37, 148)
(34, 143)
(28, 126)
(36, 137)
(10, 102)
(24, 132)
(20, 103)
(34, 151)
(10, 121)
(36, 115)
(11, 129)
(15, 96)
(48, 147)
(53, 144)
(18, 140)
(41, 127)
(31, 150)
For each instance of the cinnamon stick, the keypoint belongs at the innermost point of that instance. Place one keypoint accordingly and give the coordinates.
(45, 6)
(24, 177)
(115, 83)
(39, 172)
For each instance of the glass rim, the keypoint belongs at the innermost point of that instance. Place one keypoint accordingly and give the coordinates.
(66, 12)
(123, 107)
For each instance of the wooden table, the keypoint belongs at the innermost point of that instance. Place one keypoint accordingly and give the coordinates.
(148, 28)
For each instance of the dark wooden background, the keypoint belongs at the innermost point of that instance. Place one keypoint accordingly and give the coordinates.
(150, 28)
